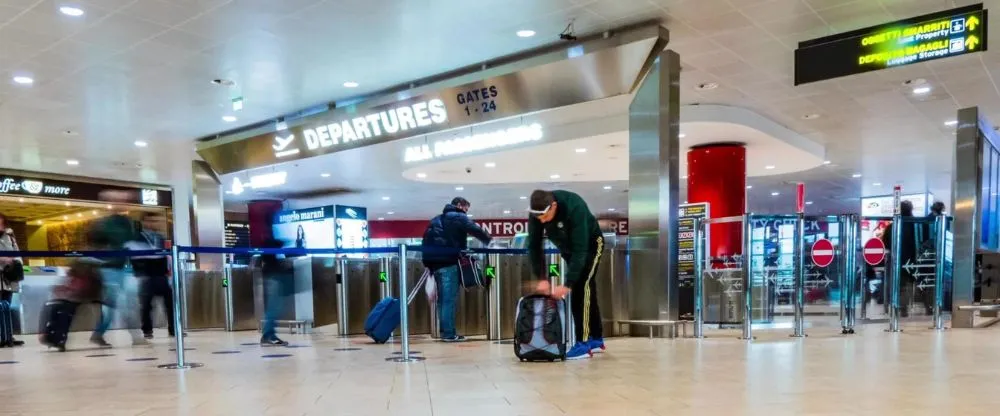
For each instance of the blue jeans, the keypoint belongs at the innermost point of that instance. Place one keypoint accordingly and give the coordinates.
(116, 283)
(447, 288)
(274, 296)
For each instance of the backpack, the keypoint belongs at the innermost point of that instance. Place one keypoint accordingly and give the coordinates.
(435, 257)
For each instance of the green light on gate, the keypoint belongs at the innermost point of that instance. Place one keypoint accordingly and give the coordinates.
(383, 277)
(491, 272)
(553, 270)
(225, 282)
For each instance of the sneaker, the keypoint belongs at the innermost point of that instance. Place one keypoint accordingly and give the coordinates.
(140, 342)
(456, 338)
(273, 342)
(596, 345)
(579, 351)
(148, 336)
(99, 341)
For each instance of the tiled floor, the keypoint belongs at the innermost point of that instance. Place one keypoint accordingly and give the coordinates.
(917, 372)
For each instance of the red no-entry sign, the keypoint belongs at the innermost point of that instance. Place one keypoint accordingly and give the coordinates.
(874, 251)
(822, 252)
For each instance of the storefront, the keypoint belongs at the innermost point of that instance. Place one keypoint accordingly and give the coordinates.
(53, 213)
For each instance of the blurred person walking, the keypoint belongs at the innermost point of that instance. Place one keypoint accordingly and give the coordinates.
(113, 233)
(11, 275)
(278, 275)
(153, 273)
(445, 239)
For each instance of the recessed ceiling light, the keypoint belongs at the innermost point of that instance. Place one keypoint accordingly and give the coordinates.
(775, 193)
(856, 175)
(684, 176)
(71, 11)
(79, 215)
(811, 116)
(65, 217)
(581, 150)
(607, 188)
(526, 33)
(922, 90)
(749, 186)
(351, 84)
(707, 86)
(555, 176)
(67, 203)
(506, 212)
(611, 209)
(229, 119)
(523, 198)
(140, 143)
(877, 184)
(93, 212)
(381, 218)
(490, 165)
(108, 207)
(459, 188)
(72, 162)
(391, 213)
(325, 175)
(385, 198)
(826, 162)
(24, 80)
(421, 175)
(681, 136)
(769, 167)
(951, 122)
(809, 202)
(20, 200)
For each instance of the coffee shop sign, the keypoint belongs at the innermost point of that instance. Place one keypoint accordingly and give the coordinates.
(11, 185)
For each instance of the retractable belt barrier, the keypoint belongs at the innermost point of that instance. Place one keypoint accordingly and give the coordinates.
(179, 292)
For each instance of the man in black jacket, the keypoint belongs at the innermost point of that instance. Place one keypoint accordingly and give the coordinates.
(153, 274)
(445, 239)
(564, 218)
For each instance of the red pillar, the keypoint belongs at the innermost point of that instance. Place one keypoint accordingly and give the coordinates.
(261, 216)
(717, 174)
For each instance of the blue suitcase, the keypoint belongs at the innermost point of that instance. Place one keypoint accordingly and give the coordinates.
(384, 318)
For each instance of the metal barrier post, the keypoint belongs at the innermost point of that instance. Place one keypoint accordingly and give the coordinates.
(404, 312)
(747, 279)
(494, 332)
(799, 274)
(341, 292)
(227, 289)
(570, 324)
(848, 283)
(178, 289)
(893, 273)
(385, 286)
(940, 243)
(699, 283)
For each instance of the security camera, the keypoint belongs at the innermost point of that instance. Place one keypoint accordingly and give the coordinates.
(468, 170)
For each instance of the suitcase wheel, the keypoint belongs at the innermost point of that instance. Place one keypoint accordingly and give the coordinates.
(523, 360)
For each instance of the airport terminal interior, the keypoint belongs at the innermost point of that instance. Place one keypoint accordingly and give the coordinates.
(761, 207)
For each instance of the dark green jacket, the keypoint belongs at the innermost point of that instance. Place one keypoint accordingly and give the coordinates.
(574, 231)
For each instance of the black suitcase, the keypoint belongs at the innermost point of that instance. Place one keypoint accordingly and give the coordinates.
(6, 324)
(540, 329)
(57, 316)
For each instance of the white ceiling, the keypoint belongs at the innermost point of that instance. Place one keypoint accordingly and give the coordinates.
(140, 70)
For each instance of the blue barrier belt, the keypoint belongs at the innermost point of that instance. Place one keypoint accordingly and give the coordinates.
(253, 251)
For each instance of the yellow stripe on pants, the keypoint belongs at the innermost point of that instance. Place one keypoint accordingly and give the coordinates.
(586, 288)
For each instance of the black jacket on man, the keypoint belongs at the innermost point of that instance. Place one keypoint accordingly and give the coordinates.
(446, 237)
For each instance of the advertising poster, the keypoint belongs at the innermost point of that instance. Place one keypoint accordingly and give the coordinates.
(305, 228)
(686, 255)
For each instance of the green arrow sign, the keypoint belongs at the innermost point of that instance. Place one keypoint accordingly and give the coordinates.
(383, 277)
(491, 272)
(225, 282)
(553, 270)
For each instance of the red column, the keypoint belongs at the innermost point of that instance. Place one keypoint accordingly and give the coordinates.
(717, 174)
(261, 216)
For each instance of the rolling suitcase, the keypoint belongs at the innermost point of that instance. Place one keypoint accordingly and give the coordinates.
(57, 316)
(6, 324)
(384, 318)
(540, 329)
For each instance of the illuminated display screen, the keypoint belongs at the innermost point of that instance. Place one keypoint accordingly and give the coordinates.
(919, 39)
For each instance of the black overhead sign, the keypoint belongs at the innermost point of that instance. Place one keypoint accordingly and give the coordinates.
(919, 39)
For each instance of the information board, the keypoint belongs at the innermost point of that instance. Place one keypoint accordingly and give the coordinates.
(920, 39)
(686, 255)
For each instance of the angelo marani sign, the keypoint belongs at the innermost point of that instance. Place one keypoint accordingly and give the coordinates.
(919, 39)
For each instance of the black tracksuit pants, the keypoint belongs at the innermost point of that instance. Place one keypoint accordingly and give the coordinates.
(583, 297)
